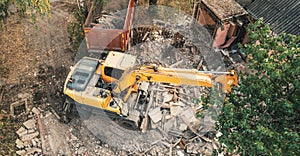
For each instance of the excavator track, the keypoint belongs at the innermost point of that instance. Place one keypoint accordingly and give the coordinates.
(72, 109)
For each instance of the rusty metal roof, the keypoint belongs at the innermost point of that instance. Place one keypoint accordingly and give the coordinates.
(282, 15)
(224, 9)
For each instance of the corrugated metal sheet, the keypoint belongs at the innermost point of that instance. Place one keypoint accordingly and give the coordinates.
(282, 15)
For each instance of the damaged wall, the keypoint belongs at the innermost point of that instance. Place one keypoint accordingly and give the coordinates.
(226, 27)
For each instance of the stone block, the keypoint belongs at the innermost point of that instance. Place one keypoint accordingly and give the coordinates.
(29, 137)
(21, 152)
(155, 114)
(175, 110)
(36, 111)
(19, 143)
(21, 131)
(30, 124)
(30, 151)
(183, 127)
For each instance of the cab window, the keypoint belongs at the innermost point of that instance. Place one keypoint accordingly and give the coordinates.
(113, 72)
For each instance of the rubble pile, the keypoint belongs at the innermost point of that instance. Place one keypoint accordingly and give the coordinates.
(172, 112)
(173, 109)
(110, 21)
(94, 146)
(29, 142)
(165, 48)
(43, 134)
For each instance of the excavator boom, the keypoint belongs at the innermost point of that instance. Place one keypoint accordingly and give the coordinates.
(176, 76)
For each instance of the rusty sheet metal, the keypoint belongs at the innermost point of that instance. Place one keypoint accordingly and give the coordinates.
(129, 15)
(98, 39)
(105, 39)
(128, 23)
(221, 35)
(229, 42)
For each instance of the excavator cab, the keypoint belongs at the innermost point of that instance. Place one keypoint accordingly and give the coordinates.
(115, 65)
(91, 81)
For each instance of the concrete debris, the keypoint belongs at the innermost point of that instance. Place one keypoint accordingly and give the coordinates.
(27, 144)
(175, 110)
(218, 134)
(30, 131)
(192, 148)
(178, 103)
(208, 124)
(189, 114)
(111, 21)
(21, 131)
(30, 124)
(36, 111)
(34, 143)
(180, 153)
(155, 114)
(167, 97)
(182, 127)
(29, 137)
(33, 150)
(19, 143)
(21, 152)
(170, 124)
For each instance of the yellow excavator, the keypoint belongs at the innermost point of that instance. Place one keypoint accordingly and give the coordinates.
(109, 84)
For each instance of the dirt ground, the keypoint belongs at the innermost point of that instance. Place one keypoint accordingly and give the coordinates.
(34, 60)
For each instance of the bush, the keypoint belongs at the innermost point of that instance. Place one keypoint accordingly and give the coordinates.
(265, 118)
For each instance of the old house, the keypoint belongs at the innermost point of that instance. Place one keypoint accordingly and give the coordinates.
(226, 20)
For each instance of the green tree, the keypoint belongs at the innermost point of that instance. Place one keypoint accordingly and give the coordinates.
(263, 117)
(4, 9)
(30, 7)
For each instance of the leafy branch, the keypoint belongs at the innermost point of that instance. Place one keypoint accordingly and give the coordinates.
(24, 7)
(265, 119)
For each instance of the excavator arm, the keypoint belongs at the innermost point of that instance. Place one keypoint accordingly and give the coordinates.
(132, 77)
